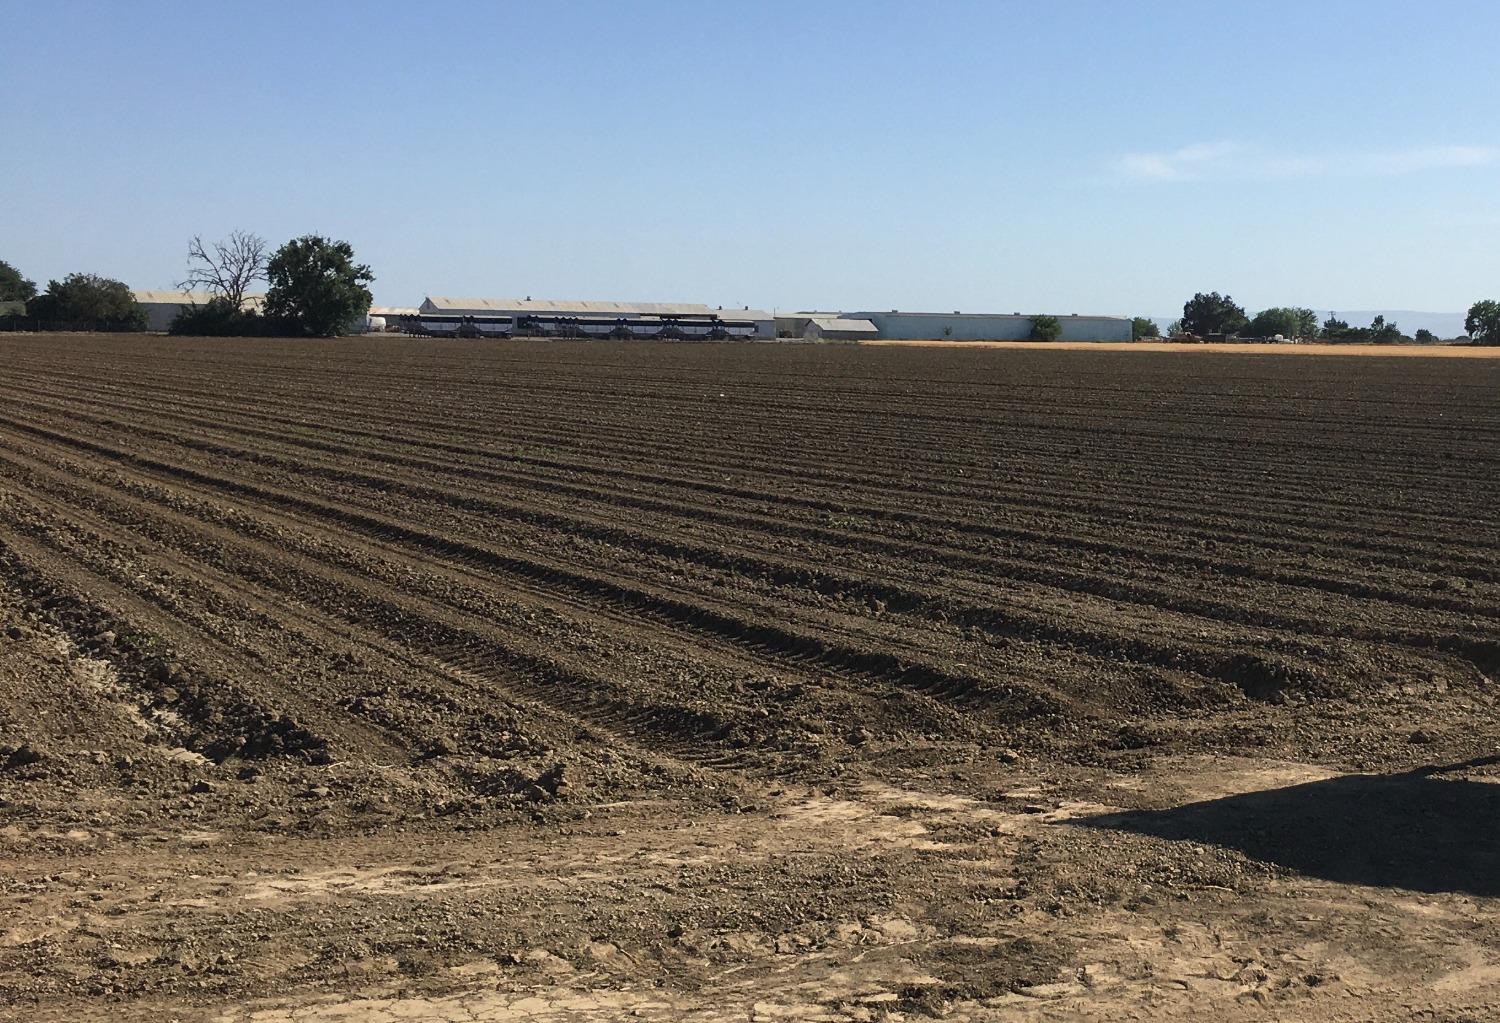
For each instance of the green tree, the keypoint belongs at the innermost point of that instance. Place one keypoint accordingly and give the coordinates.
(14, 287)
(89, 299)
(1425, 337)
(1384, 333)
(1045, 328)
(1335, 329)
(316, 287)
(1288, 321)
(1212, 313)
(1378, 332)
(1483, 322)
(1141, 327)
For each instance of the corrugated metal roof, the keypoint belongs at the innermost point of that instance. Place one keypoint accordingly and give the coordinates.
(526, 305)
(844, 323)
(190, 298)
(394, 310)
(173, 297)
(462, 306)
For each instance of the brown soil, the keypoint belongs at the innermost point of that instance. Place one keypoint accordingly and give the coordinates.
(488, 681)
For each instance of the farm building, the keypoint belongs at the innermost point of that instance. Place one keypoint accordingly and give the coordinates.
(440, 316)
(825, 327)
(162, 307)
(989, 326)
(389, 317)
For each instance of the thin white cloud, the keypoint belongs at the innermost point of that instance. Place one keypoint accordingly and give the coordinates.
(1179, 164)
(1237, 161)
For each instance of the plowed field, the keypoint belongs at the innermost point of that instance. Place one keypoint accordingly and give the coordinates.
(378, 676)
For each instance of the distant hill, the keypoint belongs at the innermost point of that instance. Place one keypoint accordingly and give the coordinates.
(1444, 325)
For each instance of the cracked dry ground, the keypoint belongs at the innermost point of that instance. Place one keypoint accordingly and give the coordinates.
(395, 680)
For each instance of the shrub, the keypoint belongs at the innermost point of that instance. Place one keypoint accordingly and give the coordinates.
(1045, 328)
(219, 318)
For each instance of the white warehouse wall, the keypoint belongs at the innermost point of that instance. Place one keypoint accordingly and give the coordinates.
(990, 326)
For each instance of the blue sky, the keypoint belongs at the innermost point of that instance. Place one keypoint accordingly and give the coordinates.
(1062, 156)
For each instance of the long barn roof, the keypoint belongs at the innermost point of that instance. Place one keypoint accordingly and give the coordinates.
(453, 306)
(844, 323)
(189, 298)
(984, 316)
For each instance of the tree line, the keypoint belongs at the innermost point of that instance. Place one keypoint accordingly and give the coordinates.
(314, 289)
(1209, 314)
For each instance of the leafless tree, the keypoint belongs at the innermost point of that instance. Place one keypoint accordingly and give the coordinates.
(227, 268)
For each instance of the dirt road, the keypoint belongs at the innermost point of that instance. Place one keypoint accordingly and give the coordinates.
(447, 680)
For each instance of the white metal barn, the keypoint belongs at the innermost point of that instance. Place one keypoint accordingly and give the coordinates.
(382, 318)
(825, 327)
(162, 307)
(990, 326)
(503, 317)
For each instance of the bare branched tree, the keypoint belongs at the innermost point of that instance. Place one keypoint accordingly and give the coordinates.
(227, 268)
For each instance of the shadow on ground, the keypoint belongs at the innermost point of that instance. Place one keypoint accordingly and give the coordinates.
(1413, 831)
